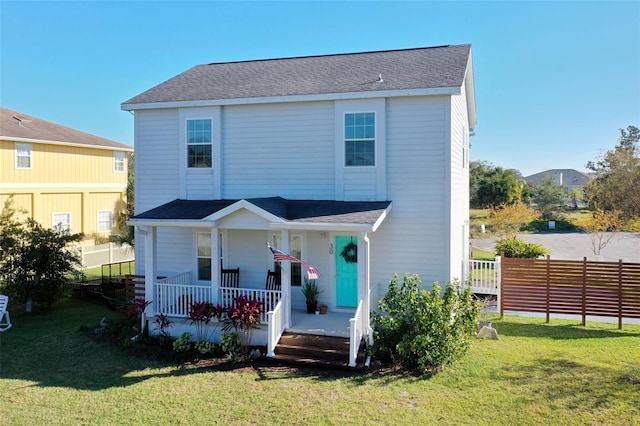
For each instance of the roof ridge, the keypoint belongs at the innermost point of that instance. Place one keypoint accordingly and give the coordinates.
(337, 54)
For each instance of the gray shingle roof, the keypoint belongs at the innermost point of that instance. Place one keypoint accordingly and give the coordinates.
(420, 68)
(569, 177)
(30, 127)
(314, 211)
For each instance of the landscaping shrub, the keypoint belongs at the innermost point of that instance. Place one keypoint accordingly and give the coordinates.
(184, 343)
(232, 348)
(427, 330)
(514, 247)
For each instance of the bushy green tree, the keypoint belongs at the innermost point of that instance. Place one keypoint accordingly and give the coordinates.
(549, 198)
(617, 177)
(515, 247)
(492, 186)
(425, 330)
(37, 262)
(509, 218)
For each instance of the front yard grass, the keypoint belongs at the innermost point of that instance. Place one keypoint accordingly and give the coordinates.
(562, 373)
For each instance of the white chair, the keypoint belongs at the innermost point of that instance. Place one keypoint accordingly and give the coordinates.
(5, 320)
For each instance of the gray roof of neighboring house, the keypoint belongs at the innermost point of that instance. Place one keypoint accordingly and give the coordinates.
(316, 211)
(419, 68)
(17, 125)
(569, 177)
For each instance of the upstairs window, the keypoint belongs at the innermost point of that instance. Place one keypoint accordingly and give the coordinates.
(199, 143)
(359, 139)
(118, 162)
(23, 156)
(105, 220)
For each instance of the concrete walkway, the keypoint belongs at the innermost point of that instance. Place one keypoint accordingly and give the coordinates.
(576, 245)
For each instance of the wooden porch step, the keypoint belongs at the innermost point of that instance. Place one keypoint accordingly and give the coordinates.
(317, 351)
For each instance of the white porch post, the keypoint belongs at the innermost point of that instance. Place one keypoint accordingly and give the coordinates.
(216, 264)
(285, 278)
(150, 265)
(364, 279)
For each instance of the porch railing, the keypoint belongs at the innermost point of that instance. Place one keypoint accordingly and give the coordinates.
(483, 276)
(176, 299)
(268, 298)
(357, 331)
(174, 296)
(276, 326)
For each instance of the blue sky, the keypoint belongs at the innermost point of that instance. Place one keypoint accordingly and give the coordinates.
(554, 80)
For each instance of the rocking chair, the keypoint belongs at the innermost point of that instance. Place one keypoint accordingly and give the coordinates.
(5, 320)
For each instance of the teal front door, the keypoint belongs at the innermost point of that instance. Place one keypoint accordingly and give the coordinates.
(346, 271)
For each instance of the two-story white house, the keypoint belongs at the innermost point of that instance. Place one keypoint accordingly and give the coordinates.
(367, 151)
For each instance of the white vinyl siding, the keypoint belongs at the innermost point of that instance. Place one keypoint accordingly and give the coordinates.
(23, 156)
(459, 187)
(413, 237)
(157, 168)
(118, 162)
(105, 220)
(278, 149)
(363, 183)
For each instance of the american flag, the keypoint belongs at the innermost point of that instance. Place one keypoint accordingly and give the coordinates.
(279, 255)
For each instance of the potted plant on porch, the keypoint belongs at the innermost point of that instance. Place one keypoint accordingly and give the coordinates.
(311, 293)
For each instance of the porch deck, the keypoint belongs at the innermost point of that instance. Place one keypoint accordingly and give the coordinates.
(334, 324)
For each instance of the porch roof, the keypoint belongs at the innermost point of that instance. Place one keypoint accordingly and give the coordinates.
(280, 213)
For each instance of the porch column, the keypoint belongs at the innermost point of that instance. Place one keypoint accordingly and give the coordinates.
(285, 278)
(150, 272)
(364, 278)
(216, 264)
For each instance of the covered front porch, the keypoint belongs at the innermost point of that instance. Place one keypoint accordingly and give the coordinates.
(209, 240)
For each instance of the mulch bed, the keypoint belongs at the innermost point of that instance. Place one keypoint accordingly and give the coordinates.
(261, 365)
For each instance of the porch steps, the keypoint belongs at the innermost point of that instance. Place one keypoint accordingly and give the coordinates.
(317, 351)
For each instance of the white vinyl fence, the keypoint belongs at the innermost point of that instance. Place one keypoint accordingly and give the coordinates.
(102, 254)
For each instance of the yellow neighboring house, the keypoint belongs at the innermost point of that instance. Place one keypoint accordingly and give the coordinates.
(62, 176)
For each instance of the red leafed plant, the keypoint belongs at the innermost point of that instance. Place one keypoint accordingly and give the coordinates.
(201, 314)
(243, 316)
(137, 307)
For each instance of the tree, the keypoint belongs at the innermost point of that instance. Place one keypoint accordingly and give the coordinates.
(548, 197)
(509, 218)
(602, 226)
(576, 196)
(126, 234)
(9, 228)
(617, 177)
(36, 261)
(492, 186)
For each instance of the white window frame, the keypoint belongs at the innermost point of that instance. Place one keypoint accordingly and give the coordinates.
(372, 140)
(200, 256)
(191, 144)
(29, 155)
(102, 221)
(119, 165)
(55, 221)
(276, 241)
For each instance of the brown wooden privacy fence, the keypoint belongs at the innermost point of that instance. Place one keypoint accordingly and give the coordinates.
(572, 287)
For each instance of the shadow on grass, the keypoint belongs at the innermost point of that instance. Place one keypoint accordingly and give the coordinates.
(49, 350)
(570, 385)
(559, 329)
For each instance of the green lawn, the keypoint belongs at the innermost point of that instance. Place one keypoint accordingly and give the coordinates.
(562, 373)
